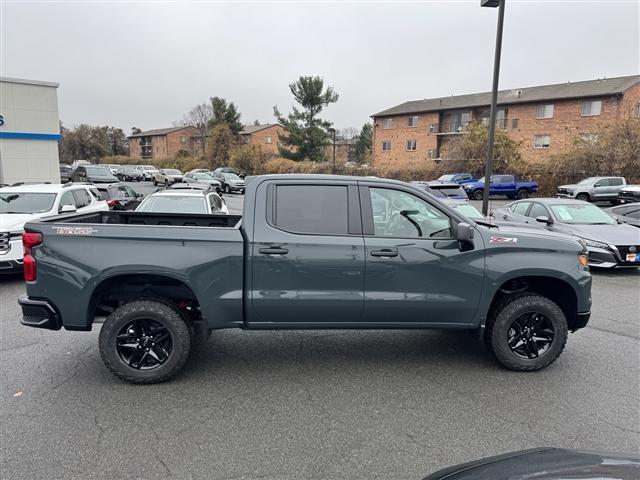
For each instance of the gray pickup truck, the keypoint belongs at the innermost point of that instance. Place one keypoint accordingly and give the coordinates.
(594, 189)
(309, 252)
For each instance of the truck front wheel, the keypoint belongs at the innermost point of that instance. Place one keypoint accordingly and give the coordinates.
(145, 341)
(526, 332)
(478, 194)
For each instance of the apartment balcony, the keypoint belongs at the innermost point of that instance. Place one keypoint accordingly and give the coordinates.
(449, 128)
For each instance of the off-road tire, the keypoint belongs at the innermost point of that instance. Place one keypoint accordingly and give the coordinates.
(502, 316)
(161, 311)
(478, 194)
(584, 197)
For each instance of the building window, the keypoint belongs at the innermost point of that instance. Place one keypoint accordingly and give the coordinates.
(544, 111)
(636, 111)
(413, 121)
(386, 146)
(514, 123)
(183, 139)
(430, 154)
(542, 141)
(267, 140)
(411, 145)
(387, 123)
(592, 108)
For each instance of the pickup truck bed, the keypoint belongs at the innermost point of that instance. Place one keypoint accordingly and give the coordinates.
(310, 251)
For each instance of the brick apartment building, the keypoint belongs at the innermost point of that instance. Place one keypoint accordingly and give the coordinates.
(264, 135)
(547, 119)
(164, 142)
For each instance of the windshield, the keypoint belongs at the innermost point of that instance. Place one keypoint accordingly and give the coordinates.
(203, 176)
(98, 170)
(173, 204)
(17, 202)
(585, 214)
(231, 176)
(446, 178)
(148, 167)
(468, 210)
(172, 171)
(587, 181)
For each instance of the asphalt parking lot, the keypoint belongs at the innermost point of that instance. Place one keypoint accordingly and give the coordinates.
(313, 404)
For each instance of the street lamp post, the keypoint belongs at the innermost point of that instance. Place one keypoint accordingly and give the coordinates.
(333, 164)
(494, 101)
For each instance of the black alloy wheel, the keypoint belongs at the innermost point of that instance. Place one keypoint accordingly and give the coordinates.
(530, 335)
(144, 344)
(478, 195)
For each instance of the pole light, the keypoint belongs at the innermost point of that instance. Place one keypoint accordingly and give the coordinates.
(333, 165)
(494, 101)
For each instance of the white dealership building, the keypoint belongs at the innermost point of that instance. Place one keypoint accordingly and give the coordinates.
(29, 131)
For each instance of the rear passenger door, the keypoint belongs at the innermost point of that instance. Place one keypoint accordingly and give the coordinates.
(307, 255)
(601, 189)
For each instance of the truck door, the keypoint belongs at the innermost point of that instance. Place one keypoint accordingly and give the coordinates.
(307, 254)
(601, 189)
(414, 271)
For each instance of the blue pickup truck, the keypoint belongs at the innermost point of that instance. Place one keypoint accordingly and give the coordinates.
(505, 185)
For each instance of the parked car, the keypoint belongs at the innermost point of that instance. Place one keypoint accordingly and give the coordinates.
(167, 176)
(610, 244)
(501, 185)
(129, 173)
(184, 201)
(200, 170)
(593, 189)
(119, 196)
(230, 182)
(629, 213)
(76, 163)
(546, 464)
(23, 203)
(443, 189)
(65, 173)
(458, 178)
(629, 194)
(203, 178)
(228, 170)
(281, 266)
(93, 174)
(147, 171)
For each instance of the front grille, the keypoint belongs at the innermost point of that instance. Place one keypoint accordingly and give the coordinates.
(629, 194)
(627, 249)
(4, 241)
(563, 191)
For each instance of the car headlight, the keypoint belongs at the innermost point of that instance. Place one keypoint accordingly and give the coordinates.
(570, 192)
(594, 243)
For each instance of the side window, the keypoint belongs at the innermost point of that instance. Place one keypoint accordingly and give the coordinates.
(520, 208)
(321, 209)
(615, 182)
(506, 179)
(96, 194)
(602, 183)
(82, 198)
(400, 214)
(67, 199)
(538, 210)
(633, 214)
(127, 191)
(215, 202)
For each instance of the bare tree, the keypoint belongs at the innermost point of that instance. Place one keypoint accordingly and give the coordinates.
(348, 133)
(199, 118)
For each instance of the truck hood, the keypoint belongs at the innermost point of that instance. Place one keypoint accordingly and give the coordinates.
(526, 229)
(570, 186)
(616, 234)
(14, 222)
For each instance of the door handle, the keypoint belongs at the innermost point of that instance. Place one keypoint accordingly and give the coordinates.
(385, 252)
(273, 251)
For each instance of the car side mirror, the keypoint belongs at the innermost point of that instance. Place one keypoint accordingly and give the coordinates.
(464, 233)
(67, 209)
(544, 219)
(139, 195)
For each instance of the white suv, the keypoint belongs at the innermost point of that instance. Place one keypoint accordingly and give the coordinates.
(25, 203)
(184, 200)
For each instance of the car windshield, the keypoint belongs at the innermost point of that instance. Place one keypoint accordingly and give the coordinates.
(587, 181)
(584, 214)
(231, 176)
(17, 202)
(446, 178)
(203, 176)
(173, 204)
(468, 210)
(129, 168)
(98, 170)
(148, 167)
(172, 171)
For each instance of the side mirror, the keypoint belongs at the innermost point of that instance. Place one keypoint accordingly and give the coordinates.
(544, 219)
(139, 195)
(67, 209)
(464, 233)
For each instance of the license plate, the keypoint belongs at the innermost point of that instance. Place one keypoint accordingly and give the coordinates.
(633, 257)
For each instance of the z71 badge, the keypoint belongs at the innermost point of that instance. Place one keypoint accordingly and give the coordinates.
(75, 230)
(503, 240)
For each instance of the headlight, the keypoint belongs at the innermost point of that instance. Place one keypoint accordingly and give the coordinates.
(570, 192)
(595, 244)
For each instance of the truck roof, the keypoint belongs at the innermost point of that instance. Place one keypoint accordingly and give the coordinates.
(316, 176)
(36, 188)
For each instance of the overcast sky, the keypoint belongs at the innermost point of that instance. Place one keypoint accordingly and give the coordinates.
(145, 64)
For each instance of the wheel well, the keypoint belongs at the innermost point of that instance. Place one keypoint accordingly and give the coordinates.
(554, 289)
(586, 194)
(114, 291)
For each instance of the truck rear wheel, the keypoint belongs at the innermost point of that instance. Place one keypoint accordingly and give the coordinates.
(522, 193)
(145, 341)
(526, 332)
